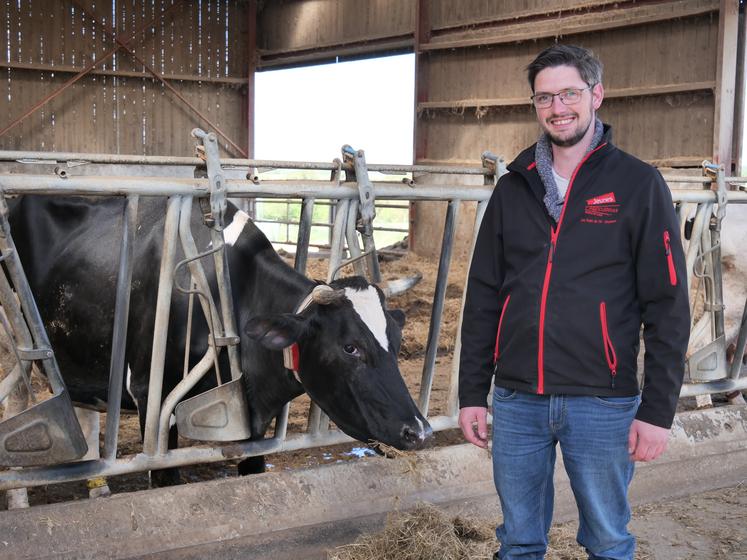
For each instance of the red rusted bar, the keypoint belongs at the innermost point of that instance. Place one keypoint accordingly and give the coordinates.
(83, 72)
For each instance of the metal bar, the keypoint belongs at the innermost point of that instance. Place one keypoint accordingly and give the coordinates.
(701, 219)
(736, 364)
(338, 236)
(452, 401)
(161, 327)
(119, 337)
(351, 235)
(434, 329)
(251, 43)
(86, 70)
(304, 234)
(176, 395)
(23, 155)
(711, 387)
(31, 314)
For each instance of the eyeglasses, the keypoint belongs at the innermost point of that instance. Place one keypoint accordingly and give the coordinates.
(569, 96)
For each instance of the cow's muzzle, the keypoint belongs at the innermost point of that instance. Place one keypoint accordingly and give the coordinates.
(416, 435)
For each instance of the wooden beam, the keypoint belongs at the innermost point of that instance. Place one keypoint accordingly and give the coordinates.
(608, 94)
(516, 15)
(308, 54)
(575, 24)
(68, 69)
(726, 69)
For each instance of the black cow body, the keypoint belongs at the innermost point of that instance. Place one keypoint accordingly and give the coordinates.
(70, 249)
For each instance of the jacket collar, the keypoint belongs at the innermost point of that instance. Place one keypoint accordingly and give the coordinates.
(525, 165)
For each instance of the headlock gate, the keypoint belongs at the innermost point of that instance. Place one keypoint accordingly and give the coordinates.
(45, 440)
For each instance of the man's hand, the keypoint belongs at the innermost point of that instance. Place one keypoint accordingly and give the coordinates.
(473, 420)
(646, 441)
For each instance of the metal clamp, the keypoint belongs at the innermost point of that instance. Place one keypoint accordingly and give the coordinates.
(214, 217)
(722, 197)
(495, 165)
(31, 354)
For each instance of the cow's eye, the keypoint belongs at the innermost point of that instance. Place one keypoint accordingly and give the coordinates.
(351, 350)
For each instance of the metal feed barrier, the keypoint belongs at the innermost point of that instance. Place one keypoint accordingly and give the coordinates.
(218, 415)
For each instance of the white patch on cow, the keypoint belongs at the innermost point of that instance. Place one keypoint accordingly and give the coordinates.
(234, 229)
(368, 307)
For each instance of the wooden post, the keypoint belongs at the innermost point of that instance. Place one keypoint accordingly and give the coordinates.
(726, 68)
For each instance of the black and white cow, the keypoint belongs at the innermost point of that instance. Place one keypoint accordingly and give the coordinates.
(347, 344)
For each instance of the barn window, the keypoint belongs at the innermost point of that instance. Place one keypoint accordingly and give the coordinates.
(309, 113)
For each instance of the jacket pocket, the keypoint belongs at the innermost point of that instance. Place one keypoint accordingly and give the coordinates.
(609, 349)
(496, 351)
(670, 259)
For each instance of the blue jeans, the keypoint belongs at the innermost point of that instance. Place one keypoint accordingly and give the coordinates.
(593, 436)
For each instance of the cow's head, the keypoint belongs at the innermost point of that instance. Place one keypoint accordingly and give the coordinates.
(346, 346)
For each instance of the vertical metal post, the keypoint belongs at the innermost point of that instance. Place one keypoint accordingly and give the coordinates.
(452, 401)
(338, 236)
(434, 329)
(351, 234)
(251, 40)
(736, 364)
(160, 331)
(304, 235)
(119, 337)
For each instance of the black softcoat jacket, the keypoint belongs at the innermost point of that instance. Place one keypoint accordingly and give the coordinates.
(556, 308)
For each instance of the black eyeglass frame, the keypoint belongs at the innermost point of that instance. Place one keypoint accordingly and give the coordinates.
(560, 95)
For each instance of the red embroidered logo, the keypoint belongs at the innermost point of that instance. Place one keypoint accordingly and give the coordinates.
(602, 199)
(601, 209)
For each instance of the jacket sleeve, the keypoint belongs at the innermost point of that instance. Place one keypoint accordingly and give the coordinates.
(661, 282)
(481, 309)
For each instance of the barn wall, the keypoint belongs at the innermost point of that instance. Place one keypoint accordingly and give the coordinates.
(199, 46)
(303, 31)
(667, 80)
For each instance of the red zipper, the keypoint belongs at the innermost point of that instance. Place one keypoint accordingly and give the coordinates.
(670, 259)
(609, 349)
(554, 232)
(500, 324)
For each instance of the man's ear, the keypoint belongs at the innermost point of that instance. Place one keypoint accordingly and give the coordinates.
(597, 94)
(275, 331)
(398, 315)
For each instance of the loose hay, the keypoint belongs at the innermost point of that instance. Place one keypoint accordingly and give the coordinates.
(428, 533)
(425, 533)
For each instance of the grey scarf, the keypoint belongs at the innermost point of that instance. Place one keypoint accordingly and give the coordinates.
(543, 157)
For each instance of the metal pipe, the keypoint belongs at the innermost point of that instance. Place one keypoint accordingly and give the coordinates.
(452, 400)
(701, 216)
(434, 329)
(304, 235)
(351, 235)
(225, 293)
(13, 183)
(718, 386)
(338, 237)
(119, 337)
(31, 314)
(736, 364)
(22, 155)
(8, 383)
(176, 395)
(161, 326)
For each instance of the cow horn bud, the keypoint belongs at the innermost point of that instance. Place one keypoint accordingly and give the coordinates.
(324, 295)
(400, 285)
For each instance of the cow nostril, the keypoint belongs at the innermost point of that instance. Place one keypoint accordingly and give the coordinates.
(416, 436)
(410, 435)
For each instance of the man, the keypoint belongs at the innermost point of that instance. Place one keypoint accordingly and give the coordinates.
(579, 246)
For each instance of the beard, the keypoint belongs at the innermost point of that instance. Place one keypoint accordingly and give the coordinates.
(572, 140)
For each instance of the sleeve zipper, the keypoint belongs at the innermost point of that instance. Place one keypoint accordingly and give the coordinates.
(670, 259)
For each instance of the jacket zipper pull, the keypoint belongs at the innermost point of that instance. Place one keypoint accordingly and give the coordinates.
(612, 382)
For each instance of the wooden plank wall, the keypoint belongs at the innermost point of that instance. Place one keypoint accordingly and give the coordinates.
(119, 108)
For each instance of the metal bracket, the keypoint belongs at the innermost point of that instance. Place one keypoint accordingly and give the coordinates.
(214, 219)
(31, 354)
(495, 165)
(717, 171)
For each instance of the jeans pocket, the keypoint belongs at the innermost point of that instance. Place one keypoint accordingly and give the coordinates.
(503, 394)
(618, 402)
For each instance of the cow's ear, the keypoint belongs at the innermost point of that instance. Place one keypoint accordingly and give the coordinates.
(275, 331)
(398, 315)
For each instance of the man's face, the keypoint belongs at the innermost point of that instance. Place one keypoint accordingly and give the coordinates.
(566, 125)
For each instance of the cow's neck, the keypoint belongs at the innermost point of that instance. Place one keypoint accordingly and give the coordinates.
(267, 286)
